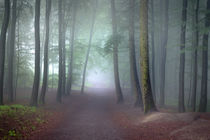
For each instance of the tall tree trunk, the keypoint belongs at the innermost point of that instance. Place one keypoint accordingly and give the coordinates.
(163, 55)
(147, 96)
(11, 52)
(153, 49)
(89, 46)
(133, 69)
(35, 91)
(60, 13)
(182, 57)
(195, 54)
(46, 66)
(115, 54)
(2, 46)
(204, 80)
(70, 59)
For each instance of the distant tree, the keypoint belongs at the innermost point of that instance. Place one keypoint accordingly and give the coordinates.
(153, 48)
(70, 58)
(182, 57)
(204, 80)
(133, 69)
(147, 96)
(89, 45)
(60, 73)
(115, 54)
(11, 49)
(46, 66)
(2, 45)
(164, 41)
(195, 53)
(34, 96)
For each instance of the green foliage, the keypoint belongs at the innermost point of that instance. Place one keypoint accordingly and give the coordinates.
(108, 47)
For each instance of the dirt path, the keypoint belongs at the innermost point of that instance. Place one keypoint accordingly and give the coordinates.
(87, 118)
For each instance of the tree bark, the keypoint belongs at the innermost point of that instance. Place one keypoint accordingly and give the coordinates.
(182, 58)
(195, 54)
(147, 96)
(60, 75)
(35, 91)
(115, 55)
(133, 69)
(89, 46)
(46, 45)
(204, 80)
(2, 46)
(70, 59)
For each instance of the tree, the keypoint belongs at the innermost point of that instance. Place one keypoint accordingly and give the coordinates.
(133, 69)
(2, 45)
(164, 41)
(195, 54)
(34, 96)
(153, 49)
(182, 57)
(89, 46)
(46, 66)
(204, 80)
(115, 54)
(70, 59)
(11, 49)
(147, 96)
(60, 73)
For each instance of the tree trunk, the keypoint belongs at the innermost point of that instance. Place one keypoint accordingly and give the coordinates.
(204, 80)
(60, 13)
(115, 54)
(89, 46)
(11, 52)
(195, 54)
(182, 58)
(153, 49)
(70, 59)
(133, 69)
(35, 90)
(163, 55)
(2, 46)
(147, 96)
(46, 66)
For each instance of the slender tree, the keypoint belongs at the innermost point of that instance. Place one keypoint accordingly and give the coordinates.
(147, 96)
(195, 54)
(46, 66)
(70, 59)
(204, 80)
(153, 48)
(89, 46)
(182, 57)
(133, 69)
(60, 77)
(2, 45)
(115, 54)
(11, 52)
(164, 42)
(34, 96)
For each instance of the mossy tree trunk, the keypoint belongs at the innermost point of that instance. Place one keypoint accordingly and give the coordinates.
(147, 96)
(204, 79)
(2, 46)
(46, 45)
(133, 69)
(115, 54)
(35, 91)
(181, 107)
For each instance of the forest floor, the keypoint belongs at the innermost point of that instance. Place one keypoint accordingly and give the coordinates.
(96, 116)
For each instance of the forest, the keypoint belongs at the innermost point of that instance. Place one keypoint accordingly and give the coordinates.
(104, 70)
